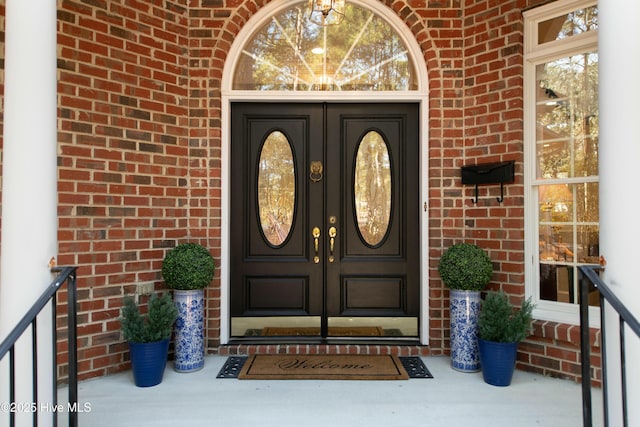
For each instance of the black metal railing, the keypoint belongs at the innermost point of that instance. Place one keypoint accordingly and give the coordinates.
(626, 319)
(65, 275)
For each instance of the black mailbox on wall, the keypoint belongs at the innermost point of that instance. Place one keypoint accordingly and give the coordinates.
(489, 173)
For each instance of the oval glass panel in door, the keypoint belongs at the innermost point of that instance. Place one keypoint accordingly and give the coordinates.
(372, 188)
(276, 188)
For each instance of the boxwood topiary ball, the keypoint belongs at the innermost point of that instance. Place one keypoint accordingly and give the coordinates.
(188, 266)
(465, 266)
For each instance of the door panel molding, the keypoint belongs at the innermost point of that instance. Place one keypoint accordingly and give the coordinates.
(293, 296)
(389, 296)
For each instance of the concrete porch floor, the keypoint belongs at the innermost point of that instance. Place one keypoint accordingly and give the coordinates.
(449, 399)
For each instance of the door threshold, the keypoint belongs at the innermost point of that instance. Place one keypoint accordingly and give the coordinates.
(325, 341)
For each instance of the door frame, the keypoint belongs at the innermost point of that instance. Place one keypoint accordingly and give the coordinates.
(419, 96)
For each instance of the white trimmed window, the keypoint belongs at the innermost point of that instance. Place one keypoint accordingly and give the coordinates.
(561, 153)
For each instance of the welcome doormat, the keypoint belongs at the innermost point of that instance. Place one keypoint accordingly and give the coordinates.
(322, 367)
(414, 366)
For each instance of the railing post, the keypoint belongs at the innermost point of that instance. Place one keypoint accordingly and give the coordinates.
(585, 352)
(12, 382)
(73, 348)
(54, 345)
(605, 377)
(623, 371)
(34, 367)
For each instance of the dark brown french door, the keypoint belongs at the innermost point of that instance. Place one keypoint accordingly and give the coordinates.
(324, 220)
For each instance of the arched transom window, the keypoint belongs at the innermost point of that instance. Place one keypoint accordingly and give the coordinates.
(291, 53)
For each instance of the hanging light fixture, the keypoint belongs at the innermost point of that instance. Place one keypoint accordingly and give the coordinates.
(326, 12)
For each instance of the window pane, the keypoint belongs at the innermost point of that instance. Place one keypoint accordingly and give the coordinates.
(559, 283)
(567, 117)
(372, 188)
(556, 203)
(553, 159)
(276, 188)
(291, 53)
(562, 208)
(568, 235)
(561, 27)
(588, 248)
(556, 243)
(587, 202)
(556, 283)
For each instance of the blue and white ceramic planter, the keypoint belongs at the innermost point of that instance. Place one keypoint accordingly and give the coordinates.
(464, 312)
(189, 330)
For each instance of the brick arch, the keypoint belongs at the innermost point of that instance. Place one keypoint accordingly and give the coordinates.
(431, 42)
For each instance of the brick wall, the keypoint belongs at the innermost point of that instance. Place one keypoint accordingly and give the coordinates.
(493, 131)
(554, 350)
(492, 127)
(130, 181)
(140, 149)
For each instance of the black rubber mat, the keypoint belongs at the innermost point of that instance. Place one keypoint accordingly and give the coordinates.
(232, 367)
(415, 367)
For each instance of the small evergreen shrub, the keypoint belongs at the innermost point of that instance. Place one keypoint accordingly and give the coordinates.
(501, 322)
(466, 267)
(156, 325)
(188, 266)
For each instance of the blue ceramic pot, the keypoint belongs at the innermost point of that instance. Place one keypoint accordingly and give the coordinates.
(148, 361)
(498, 360)
(189, 330)
(464, 309)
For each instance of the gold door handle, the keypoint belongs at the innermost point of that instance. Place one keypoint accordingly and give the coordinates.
(332, 241)
(316, 235)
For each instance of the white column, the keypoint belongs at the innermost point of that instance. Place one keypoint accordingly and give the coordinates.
(29, 185)
(619, 173)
